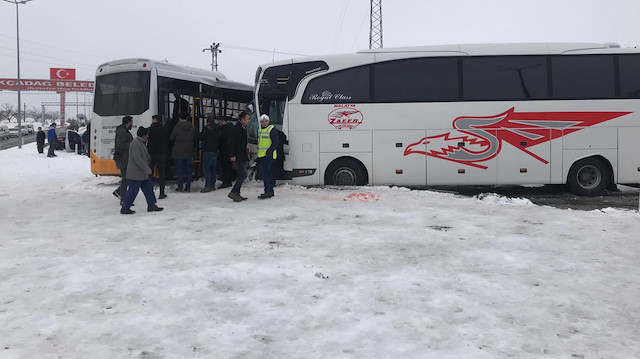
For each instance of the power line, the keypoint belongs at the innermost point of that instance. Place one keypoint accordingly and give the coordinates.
(364, 18)
(48, 57)
(261, 50)
(345, 6)
(102, 58)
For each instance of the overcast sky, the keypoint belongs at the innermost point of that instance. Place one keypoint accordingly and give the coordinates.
(82, 34)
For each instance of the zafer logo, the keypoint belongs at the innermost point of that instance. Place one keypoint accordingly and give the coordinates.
(345, 117)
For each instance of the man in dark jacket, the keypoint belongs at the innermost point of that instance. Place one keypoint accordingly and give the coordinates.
(278, 164)
(183, 137)
(138, 172)
(180, 106)
(40, 140)
(121, 153)
(52, 137)
(158, 145)
(238, 154)
(210, 137)
(226, 174)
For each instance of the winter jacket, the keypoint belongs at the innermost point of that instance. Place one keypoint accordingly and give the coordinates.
(138, 166)
(210, 137)
(225, 135)
(52, 137)
(238, 143)
(121, 152)
(184, 137)
(40, 137)
(158, 142)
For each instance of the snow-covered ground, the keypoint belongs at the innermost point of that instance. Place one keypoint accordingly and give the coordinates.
(310, 273)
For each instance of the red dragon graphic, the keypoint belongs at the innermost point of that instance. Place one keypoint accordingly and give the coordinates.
(479, 139)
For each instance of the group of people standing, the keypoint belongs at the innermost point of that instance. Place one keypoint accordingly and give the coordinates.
(223, 143)
(52, 138)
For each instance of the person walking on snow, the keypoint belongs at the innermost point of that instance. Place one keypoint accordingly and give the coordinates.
(268, 141)
(138, 172)
(238, 155)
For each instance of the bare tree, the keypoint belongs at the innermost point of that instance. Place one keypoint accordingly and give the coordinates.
(72, 124)
(7, 112)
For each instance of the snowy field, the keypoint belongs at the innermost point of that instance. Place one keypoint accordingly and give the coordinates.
(310, 273)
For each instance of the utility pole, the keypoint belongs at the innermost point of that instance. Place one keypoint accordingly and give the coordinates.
(215, 50)
(375, 22)
(16, 2)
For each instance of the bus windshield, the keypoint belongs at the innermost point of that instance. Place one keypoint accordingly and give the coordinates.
(125, 93)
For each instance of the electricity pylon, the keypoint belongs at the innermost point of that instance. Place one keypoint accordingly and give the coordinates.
(375, 29)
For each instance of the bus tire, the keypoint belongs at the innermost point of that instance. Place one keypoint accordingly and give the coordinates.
(345, 172)
(589, 177)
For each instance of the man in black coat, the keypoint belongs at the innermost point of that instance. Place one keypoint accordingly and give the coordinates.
(158, 146)
(40, 140)
(210, 137)
(121, 154)
(226, 172)
(238, 154)
(278, 164)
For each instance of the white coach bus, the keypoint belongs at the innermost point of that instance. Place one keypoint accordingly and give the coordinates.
(142, 88)
(460, 115)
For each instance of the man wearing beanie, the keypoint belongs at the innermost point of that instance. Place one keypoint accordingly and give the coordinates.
(138, 172)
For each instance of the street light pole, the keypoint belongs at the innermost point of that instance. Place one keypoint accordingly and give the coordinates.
(18, 53)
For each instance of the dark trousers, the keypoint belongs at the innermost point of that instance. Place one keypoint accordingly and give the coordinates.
(265, 172)
(210, 168)
(161, 162)
(241, 175)
(183, 166)
(226, 172)
(134, 188)
(40, 147)
(123, 183)
(52, 149)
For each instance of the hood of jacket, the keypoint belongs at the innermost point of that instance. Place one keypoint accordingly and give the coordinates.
(183, 126)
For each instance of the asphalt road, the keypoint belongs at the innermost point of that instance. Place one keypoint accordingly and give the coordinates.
(14, 141)
(556, 196)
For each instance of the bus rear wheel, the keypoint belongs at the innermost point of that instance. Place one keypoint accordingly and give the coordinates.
(345, 172)
(589, 177)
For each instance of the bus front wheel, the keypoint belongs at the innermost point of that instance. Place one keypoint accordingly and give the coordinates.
(346, 172)
(589, 177)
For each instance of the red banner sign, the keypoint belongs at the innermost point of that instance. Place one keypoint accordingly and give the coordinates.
(62, 74)
(46, 85)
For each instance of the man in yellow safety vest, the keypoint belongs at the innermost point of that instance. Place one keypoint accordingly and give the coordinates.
(268, 140)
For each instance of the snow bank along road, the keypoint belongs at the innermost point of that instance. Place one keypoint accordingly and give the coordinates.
(310, 273)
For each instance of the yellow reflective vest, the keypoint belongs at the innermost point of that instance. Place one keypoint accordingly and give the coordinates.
(264, 142)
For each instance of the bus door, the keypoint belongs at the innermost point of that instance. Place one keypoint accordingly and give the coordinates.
(283, 166)
(278, 111)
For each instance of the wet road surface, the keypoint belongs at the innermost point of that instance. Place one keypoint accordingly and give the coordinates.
(556, 196)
